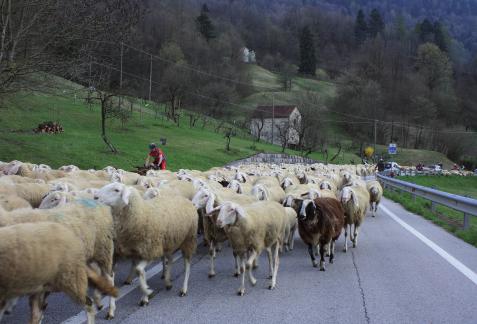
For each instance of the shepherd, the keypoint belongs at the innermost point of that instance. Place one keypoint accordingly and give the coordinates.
(159, 162)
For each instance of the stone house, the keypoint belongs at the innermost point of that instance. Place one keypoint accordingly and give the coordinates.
(283, 119)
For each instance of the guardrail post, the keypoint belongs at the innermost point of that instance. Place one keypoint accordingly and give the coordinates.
(466, 221)
(433, 206)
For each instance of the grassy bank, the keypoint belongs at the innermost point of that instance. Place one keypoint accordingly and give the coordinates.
(464, 186)
(447, 218)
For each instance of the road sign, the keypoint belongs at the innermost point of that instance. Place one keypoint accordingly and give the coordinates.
(392, 149)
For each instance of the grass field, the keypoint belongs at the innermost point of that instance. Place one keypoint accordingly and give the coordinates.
(464, 186)
(81, 143)
(447, 218)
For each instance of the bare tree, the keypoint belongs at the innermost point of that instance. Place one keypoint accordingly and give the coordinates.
(309, 105)
(284, 134)
(258, 122)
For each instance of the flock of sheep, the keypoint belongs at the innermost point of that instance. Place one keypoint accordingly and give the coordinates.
(63, 230)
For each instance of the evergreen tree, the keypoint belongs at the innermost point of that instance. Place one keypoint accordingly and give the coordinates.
(375, 24)
(204, 24)
(360, 28)
(307, 52)
(425, 31)
(400, 27)
(440, 37)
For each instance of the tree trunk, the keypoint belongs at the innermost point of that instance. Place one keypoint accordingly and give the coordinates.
(337, 154)
(103, 127)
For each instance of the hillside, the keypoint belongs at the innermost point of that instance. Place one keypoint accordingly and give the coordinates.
(81, 143)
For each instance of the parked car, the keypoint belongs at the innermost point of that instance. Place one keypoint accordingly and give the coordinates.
(391, 169)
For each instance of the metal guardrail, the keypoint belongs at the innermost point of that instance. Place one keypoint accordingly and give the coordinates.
(275, 158)
(463, 204)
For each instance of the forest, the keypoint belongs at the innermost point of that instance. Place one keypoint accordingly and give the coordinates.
(405, 68)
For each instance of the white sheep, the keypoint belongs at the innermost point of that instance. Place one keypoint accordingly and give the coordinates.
(290, 228)
(273, 193)
(40, 255)
(375, 194)
(251, 229)
(355, 202)
(32, 192)
(149, 229)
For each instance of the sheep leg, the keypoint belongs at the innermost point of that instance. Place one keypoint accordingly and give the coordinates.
(10, 304)
(183, 291)
(167, 264)
(322, 256)
(36, 311)
(212, 259)
(291, 238)
(132, 273)
(355, 241)
(275, 267)
(219, 247)
(237, 265)
(327, 249)
(140, 268)
(112, 300)
(345, 249)
(332, 250)
(164, 266)
(249, 266)
(312, 255)
(255, 263)
(241, 290)
(270, 262)
(90, 312)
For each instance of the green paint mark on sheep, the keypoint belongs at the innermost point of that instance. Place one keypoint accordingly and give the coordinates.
(88, 203)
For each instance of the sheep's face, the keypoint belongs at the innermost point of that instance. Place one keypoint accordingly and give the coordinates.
(288, 201)
(259, 192)
(325, 185)
(229, 214)
(241, 177)
(199, 183)
(307, 209)
(287, 182)
(114, 195)
(53, 199)
(60, 186)
(347, 176)
(109, 170)
(313, 194)
(235, 186)
(201, 198)
(347, 194)
(151, 193)
(374, 190)
(117, 177)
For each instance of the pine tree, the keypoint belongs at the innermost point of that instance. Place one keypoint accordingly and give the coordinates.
(307, 52)
(440, 37)
(360, 28)
(204, 24)
(375, 24)
(425, 31)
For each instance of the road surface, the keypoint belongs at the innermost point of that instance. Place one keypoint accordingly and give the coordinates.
(404, 270)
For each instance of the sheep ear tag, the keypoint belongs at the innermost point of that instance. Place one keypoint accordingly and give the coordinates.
(125, 195)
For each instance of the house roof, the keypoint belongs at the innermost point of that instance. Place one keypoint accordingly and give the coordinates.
(268, 111)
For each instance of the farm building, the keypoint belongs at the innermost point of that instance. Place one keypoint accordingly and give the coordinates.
(283, 120)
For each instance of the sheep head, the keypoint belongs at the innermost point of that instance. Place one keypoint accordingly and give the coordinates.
(204, 198)
(348, 194)
(151, 193)
(325, 185)
(307, 209)
(236, 186)
(260, 192)
(117, 177)
(114, 195)
(229, 214)
(53, 199)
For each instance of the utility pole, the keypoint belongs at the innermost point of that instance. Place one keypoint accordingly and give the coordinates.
(121, 76)
(150, 78)
(375, 127)
(273, 117)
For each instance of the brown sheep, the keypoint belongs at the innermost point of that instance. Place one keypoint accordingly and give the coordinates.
(320, 221)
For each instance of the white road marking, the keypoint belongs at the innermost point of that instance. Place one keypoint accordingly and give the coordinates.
(126, 289)
(446, 256)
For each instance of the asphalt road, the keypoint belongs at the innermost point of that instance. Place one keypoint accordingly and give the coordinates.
(395, 275)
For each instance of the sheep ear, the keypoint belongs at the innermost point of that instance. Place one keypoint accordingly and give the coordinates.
(125, 195)
(209, 207)
(355, 200)
(241, 212)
